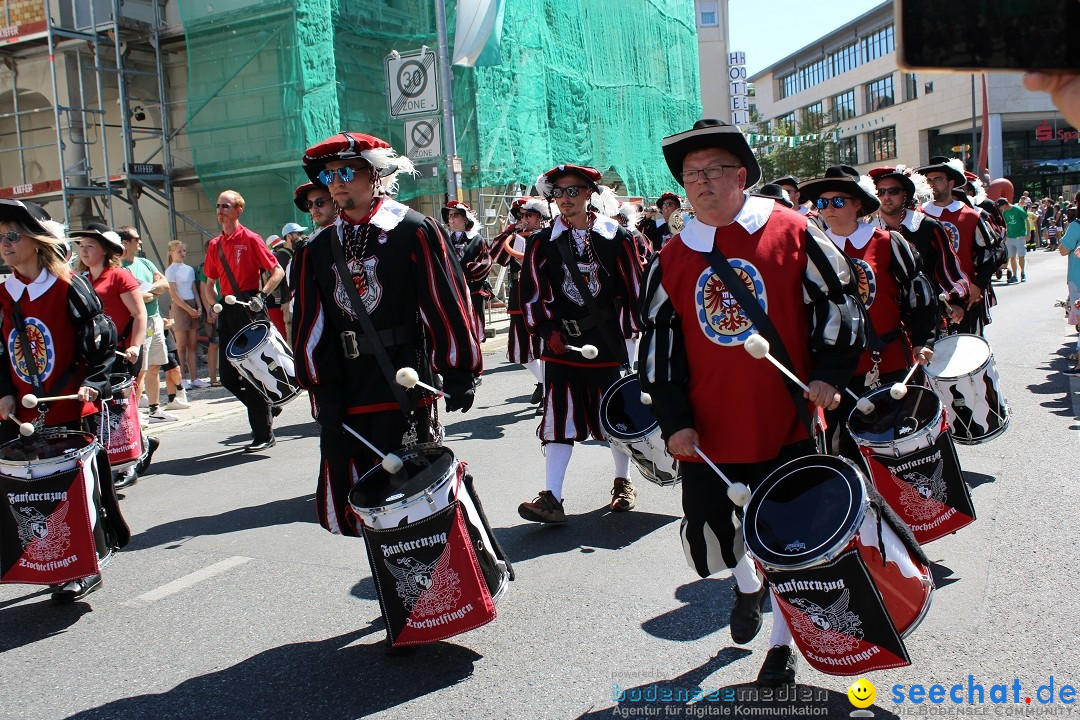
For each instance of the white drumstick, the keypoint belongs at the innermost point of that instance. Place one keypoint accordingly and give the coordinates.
(862, 404)
(899, 389)
(31, 401)
(408, 377)
(646, 398)
(231, 300)
(589, 352)
(391, 463)
(758, 347)
(738, 493)
(26, 429)
(217, 307)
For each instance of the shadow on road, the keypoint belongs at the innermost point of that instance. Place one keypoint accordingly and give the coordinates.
(1058, 384)
(706, 608)
(489, 427)
(29, 623)
(330, 679)
(599, 528)
(942, 574)
(279, 512)
(975, 479)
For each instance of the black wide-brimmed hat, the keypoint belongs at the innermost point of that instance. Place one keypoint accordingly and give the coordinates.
(842, 178)
(786, 180)
(29, 214)
(108, 239)
(709, 133)
(773, 191)
(952, 167)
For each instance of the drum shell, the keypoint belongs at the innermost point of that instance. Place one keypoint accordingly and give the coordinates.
(74, 446)
(122, 437)
(920, 437)
(630, 425)
(964, 375)
(264, 359)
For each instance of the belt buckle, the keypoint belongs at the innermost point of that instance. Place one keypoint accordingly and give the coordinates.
(349, 346)
(571, 328)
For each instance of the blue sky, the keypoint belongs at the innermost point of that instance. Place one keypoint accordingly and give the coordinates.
(770, 31)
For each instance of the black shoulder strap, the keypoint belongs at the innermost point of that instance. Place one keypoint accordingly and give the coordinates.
(764, 325)
(232, 279)
(27, 352)
(618, 349)
(359, 309)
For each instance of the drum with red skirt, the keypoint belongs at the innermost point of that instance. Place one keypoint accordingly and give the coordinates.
(120, 431)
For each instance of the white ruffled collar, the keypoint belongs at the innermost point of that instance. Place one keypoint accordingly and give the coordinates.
(387, 217)
(935, 210)
(36, 288)
(603, 226)
(858, 239)
(752, 216)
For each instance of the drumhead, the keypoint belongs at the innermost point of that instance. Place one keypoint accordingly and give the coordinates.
(120, 384)
(804, 512)
(248, 339)
(893, 420)
(622, 413)
(47, 445)
(426, 468)
(957, 356)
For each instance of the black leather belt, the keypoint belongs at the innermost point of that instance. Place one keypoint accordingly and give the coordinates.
(355, 345)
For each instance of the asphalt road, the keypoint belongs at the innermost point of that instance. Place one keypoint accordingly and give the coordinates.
(231, 601)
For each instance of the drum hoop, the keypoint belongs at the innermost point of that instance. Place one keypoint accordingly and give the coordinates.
(981, 368)
(843, 535)
(375, 511)
(83, 453)
(605, 403)
(230, 355)
(932, 430)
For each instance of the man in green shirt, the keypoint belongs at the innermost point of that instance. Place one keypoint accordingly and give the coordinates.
(1016, 231)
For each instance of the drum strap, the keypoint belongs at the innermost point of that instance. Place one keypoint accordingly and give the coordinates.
(370, 333)
(764, 325)
(236, 286)
(28, 355)
(602, 319)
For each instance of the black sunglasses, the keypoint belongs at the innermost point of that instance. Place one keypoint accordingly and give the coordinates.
(317, 203)
(570, 190)
(837, 202)
(882, 192)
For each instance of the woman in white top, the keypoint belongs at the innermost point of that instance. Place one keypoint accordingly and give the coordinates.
(186, 310)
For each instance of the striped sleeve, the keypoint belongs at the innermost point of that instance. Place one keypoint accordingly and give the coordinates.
(989, 252)
(950, 277)
(536, 292)
(629, 269)
(445, 306)
(95, 334)
(918, 302)
(316, 361)
(837, 316)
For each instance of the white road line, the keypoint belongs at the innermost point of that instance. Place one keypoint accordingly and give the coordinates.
(188, 580)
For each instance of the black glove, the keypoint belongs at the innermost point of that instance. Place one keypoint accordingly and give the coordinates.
(460, 390)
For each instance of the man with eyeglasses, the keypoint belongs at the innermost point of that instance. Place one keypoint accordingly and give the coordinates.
(896, 191)
(603, 262)
(709, 395)
(413, 292)
(473, 254)
(235, 262)
(658, 231)
(978, 249)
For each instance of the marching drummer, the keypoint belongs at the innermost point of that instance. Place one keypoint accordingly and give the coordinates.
(234, 261)
(707, 392)
(400, 271)
(900, 300)
(56, 314)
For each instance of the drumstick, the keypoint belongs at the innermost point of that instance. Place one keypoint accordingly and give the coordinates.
(899, 389)
(217, 307)
(407, 377)
(253, 304)
(646, 398)
(862, 404)
(758, 347)
(587, 351)
(31, 401)
(26, 429)
(391, 463)
(738, 493)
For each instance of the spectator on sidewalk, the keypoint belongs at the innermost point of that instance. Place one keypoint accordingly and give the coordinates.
(185, 313)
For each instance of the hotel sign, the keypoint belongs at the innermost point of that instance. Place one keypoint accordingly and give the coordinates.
(740, 101)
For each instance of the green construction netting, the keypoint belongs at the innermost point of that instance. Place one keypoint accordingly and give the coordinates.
(595, 82)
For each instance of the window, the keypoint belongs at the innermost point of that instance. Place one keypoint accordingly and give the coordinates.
(847, 151)
(787, 85)
(844, 59)
(911, 86)
(877, 44)
(784, 125)
(843, 106)
(707, 15)
(812, 118)
(879, 94)
(883, 144)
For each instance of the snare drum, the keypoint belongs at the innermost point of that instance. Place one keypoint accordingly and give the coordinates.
(51, 530)
(263, 359)
(811, 528)
(121, 434)
(963, 374)
(630, 425)
(912, 461)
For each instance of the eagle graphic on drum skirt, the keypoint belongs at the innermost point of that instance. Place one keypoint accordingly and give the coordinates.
(834, 630)
(43, 538)
(427, 589)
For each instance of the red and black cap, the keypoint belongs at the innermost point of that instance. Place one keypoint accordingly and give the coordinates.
(470, 216)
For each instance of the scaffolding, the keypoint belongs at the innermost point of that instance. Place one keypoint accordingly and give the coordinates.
(106, 94)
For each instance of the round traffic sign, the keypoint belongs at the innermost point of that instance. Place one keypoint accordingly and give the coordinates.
(412, 78)
(422, 134)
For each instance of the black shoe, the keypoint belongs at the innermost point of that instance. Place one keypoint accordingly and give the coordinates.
(76, 589)
(261, 446)
(745, 621)
(1072, 371)
(126, 479)
(538, 394)
(152, 444)
(779, 667)
(275, 410)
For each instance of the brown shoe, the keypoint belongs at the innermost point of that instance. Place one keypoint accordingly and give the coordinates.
(623, 495)
(544, 509)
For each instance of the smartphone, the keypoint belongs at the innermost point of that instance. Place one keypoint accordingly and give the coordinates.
(974, 35)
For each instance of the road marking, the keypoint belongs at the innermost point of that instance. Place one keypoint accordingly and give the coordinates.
(188, 580)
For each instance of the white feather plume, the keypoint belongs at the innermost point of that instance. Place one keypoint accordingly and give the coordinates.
(956, 164)
(605, 201)
(543, 186)
(537, 205)
(980, 192)
(382, 158)
(630, 212)
(923, 193)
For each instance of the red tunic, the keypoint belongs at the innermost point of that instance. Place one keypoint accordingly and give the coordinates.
(961, 225)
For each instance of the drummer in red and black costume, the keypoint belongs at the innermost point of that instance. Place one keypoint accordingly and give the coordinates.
(899, 299)
(74, 345)
(247, 257)
(790, 183)
(981, 252)
(897, 190)
(707, 391)
(555, 310)
(629, 216)
(418, 302)
(473, 254)
(658, 231)
(508, 250)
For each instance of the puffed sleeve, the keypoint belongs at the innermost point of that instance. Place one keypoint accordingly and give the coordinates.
(663, 369)
(95, 334)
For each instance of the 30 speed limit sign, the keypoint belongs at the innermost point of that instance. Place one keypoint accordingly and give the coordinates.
(412, 84)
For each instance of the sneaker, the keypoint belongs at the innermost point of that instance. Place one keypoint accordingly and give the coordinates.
(199, 384)
(144, 402)
(745, 620)
(1013, 279)
(1023, 277)
(623, 495)
(1009, 277)
(179, 402)
(72, 591)
(186, 384)
(779, 667)
(544, 509)
(538, 394)
(160, 415)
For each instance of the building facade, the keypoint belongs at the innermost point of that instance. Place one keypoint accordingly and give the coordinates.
(848, 82)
